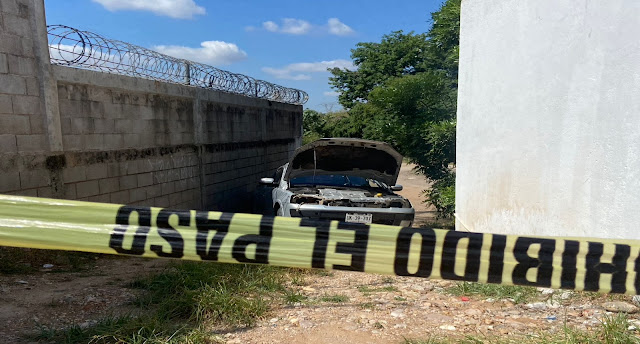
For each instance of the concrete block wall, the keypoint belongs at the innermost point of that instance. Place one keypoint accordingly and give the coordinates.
(92, 136)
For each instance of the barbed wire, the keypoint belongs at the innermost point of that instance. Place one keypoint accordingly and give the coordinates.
(82, 49)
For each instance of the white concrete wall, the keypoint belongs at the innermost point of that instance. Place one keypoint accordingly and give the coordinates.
(549, 118)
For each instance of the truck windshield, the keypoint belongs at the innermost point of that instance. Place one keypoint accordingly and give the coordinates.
(335, 180)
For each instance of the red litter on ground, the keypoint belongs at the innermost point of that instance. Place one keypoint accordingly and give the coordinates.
(464, 298)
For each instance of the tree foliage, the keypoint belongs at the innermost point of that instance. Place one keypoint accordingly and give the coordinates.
(397, 54)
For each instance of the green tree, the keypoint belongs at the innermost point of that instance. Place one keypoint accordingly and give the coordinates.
(444, 40)
(420, 112)
(397, 54)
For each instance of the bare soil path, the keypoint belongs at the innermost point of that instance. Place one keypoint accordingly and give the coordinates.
(414, 186)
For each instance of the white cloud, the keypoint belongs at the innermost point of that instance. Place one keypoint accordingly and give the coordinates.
(295, 26)
(211, 52)
(338, 28)
(270, 26)
(302, 71)
(331, 94)
(301, 27)
(289, 25)
(181, 9)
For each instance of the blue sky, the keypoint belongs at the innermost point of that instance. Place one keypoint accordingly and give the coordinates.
(290, 43)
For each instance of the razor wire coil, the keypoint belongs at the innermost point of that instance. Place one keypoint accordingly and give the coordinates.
(82, 49)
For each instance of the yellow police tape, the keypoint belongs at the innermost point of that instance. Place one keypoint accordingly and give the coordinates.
(570, 263)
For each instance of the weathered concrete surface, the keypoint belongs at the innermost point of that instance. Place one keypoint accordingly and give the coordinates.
(85, 135)
(548, 139)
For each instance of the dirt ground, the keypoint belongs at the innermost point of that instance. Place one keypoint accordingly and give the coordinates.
(414, 186)
(339, 307)
(379, 309)
(54, 299)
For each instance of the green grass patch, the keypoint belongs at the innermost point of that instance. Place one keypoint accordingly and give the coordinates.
(335, 298)
(613, 329)
(293, 296)
(388, 279)
(365, 289)
(519, 294)
(368, 305)
(182, 301)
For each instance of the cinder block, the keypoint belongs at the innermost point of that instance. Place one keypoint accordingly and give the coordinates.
(4, 67)
(26, 105)
(144, 165)
(123, 126)
(113, 111)
(128, 182)
(153, 191)
(78, 92)
(8, 143)
(181, 185)
(17, 7)
(82, 125)
(33, 87)
(34, 179)
(36, 122)
(100, 199)
(94, 141)
(12, 44)
(5, 104)
(74, 174)
(17, 25)
(97, 171)
(70, 191)
(145, 179)
(28, 193)
(138, 194)
(109, 185)
(113, 169)
(173, 174)
(129, 167)
(131, 140)
(12, 84)
(14, 124)
(159, 164)
(70, 108)
(45, 192)
(21, 65)
(9, 181)
(121, 197)
(168, 188)
(101, 125)
(113, 141)
(96, 109)
(160, 177)
(72, 142)
(32, 143)
(88, 188)
(162, 202)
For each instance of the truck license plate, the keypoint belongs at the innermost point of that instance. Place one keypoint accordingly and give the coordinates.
(359, 218)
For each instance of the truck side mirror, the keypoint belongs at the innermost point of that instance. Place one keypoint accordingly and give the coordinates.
(267, 181)
(396, 187)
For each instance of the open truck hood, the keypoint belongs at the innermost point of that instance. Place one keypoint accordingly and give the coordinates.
(364, 158)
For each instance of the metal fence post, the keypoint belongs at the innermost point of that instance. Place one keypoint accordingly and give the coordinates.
(187, 73)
